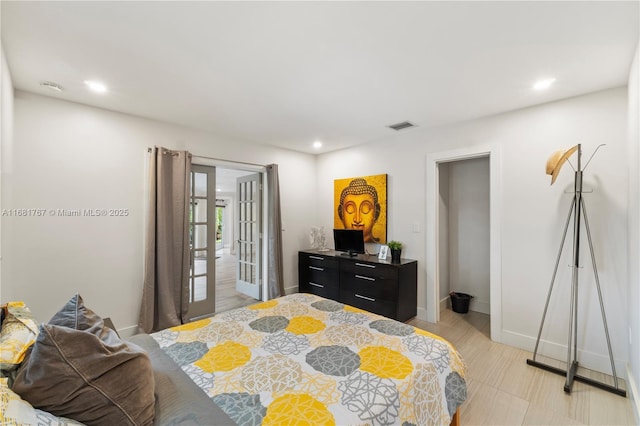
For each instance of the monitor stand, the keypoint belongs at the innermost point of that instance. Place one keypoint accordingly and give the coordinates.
(349, 254)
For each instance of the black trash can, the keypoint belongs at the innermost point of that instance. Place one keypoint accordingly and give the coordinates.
(460, 302)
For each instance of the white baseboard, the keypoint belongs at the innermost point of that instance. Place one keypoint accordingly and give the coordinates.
(479, 306)
(422, 314)
(128, 331)
(290, 290)
(634, 396)
(586, 359)
(444, 303)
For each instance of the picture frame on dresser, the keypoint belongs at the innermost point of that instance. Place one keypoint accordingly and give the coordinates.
(384, 251)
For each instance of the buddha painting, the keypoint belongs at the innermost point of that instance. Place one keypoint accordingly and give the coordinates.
(361, 204)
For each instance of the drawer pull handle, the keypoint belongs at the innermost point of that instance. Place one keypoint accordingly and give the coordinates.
(370, 299)
(365, 278)
(366, 265)
(316, 257)
(316, 285)
(316, 268)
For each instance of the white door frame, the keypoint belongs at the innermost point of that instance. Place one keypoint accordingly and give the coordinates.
(206, 161)
(495, 257)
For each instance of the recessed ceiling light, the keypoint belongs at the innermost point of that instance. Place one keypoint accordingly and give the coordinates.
(51, 85)
(317, 144)
(96, 86)
(543, 84)
(218, 189)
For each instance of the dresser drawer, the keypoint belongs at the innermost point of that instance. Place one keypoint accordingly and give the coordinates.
(370, 269)
(329, 292)
(376, 288)
(380, 307)
(320, 275)
(319, 260)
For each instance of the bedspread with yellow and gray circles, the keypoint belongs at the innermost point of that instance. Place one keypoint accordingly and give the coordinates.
(302, 359)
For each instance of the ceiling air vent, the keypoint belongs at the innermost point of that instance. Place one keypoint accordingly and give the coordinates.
(401, 126)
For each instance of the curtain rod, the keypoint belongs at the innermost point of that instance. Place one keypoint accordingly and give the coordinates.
(218, 159)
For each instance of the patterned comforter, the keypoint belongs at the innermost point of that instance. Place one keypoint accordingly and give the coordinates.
(304, 359)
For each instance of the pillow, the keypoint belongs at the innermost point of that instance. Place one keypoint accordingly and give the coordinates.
(15, 411)
(19, 331)
(74, 314)
(87, 374)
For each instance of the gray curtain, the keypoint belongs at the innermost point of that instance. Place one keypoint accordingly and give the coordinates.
(275, 282)
(165, 295)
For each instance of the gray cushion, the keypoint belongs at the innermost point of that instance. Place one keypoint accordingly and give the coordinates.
(179, 401)
(87, 374)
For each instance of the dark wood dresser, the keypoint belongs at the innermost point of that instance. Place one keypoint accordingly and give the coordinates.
(363, 281)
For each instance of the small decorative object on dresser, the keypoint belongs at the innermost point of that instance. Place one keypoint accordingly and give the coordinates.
(318, 238)
(396, 250)
(384, 251)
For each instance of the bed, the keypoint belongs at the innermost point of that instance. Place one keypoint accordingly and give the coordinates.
(302, 359)
(305, 359)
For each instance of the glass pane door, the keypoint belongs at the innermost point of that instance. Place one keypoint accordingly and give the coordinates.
(249, 196)
(202, 240)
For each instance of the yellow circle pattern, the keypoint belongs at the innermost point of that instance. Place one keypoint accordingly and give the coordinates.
(298, 409)
(192, 325)
(224, 357)
(305, 325)
(264, 305)
(384, 362)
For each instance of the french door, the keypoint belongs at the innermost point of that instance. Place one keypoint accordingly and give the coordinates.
(249, 250)
(202, 241)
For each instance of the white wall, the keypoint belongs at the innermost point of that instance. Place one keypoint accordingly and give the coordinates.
(634, 232)
(69, 156)
(228, 219)
(468, 230)
(6, 129)
(532, 212)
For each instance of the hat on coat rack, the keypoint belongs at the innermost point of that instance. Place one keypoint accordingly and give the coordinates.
(557, 160)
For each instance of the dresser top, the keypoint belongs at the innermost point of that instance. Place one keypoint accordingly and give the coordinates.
(373, 258)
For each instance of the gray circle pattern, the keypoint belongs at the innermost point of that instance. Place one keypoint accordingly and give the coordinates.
(270, 324)
(392, 328)
(333, 360)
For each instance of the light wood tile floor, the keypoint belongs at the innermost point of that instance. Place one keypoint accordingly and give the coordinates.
(504, 390)
(227, 297)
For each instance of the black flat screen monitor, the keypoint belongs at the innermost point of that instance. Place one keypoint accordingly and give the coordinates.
(350, 241)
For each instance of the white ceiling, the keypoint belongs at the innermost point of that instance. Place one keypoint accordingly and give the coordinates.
(288, 73)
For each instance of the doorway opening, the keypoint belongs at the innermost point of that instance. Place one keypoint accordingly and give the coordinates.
(463, 237)
(238, 240)
(225, 238)
(463, 229)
